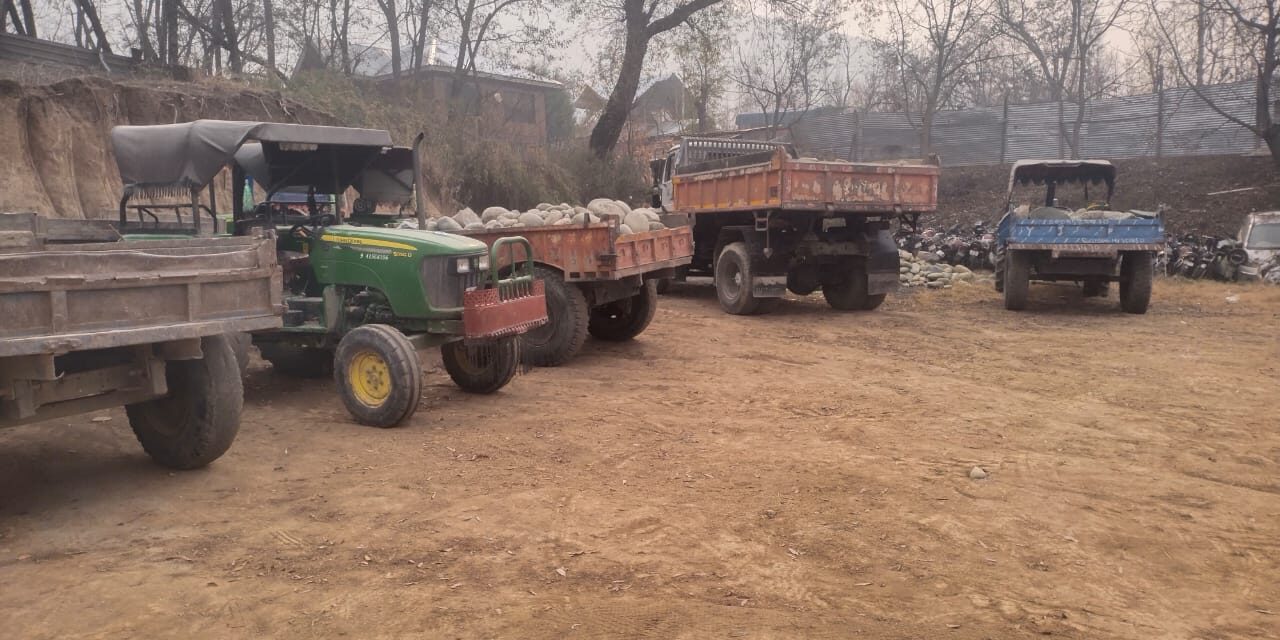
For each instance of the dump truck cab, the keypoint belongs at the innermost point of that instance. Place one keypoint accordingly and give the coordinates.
(358, 300)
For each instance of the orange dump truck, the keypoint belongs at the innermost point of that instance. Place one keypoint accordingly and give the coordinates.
(765, 221)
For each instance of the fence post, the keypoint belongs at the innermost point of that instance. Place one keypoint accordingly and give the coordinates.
(1159, 113)
(1004, 130)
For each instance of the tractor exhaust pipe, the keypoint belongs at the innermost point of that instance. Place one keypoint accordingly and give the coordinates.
(419, 205)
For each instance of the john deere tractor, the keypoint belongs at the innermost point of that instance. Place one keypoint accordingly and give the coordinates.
(358, 301)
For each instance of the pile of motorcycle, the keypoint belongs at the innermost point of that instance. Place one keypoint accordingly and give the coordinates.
(1199, 257)
(974, 250)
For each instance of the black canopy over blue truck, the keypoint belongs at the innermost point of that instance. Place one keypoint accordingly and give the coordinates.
(1091, 244)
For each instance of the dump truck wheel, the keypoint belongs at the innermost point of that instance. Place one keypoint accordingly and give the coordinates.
(850, 292)
(1136, 271)
(1017, 280)
(198, 420)
(481, 368)
(240, 343)
(625, 319)
(298, 362)
(733, 283)
(557, 341)
(378, 375)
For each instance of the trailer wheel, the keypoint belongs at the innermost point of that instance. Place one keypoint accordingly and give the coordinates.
(198, 420)
(850, 292)
(733, 277)
(625, 319)
(483, 368)
(1017, 279)
(298, 362)
(1137, 268)
(378, 375)
(555, 342)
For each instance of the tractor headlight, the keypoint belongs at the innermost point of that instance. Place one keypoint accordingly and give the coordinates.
(463, 265)
(483, 262)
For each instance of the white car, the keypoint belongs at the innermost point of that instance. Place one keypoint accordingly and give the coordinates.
(1260, 237)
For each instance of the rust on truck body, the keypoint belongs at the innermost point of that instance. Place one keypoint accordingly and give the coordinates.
(596, 252)
(786, 183)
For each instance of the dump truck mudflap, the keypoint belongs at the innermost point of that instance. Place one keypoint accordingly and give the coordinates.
(882, 263)
(770, 286)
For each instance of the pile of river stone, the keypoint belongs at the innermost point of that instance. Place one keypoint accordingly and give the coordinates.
(547, 214)
(924, 270)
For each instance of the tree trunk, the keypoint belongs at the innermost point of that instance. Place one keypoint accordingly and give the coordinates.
(229, 36)
(169, 11)
(28, 17)
(91, 14)
(393, 31)
(140, 21)
(1272, 138)
(269, 23)
(604, 137)
(420, 38)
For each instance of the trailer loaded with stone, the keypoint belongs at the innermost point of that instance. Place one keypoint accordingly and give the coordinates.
(599, 263)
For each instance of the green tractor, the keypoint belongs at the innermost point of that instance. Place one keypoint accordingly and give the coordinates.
(358, 300)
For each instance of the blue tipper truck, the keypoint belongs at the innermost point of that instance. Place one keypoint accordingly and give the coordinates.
(1092, 244)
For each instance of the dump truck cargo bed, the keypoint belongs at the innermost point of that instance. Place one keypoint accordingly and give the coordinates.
(596, 252)
(781, 182)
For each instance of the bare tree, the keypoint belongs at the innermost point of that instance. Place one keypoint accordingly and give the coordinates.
(853, 81)
(779, 65)
(1258, 23)
(700, 50)
(642, 20)
(392, 16)
(929, 46)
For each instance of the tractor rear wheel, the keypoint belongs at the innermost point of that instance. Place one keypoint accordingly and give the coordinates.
(378, 375)
(625, 319)
(1017, 280)
(482, 368)
(198, 420)
(1136, 271)
(555, 342)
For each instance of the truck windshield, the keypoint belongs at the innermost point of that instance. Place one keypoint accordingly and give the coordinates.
(1264, 236)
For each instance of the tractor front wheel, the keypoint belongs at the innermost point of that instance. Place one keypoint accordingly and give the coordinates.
(378, 375)
(481, 368)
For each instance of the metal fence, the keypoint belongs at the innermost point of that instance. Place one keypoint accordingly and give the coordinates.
(1174, 122)
(24, 49)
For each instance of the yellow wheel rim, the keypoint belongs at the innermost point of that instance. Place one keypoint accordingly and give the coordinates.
(369, 378)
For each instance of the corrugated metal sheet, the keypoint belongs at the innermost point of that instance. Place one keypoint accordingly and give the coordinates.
(20, 48)
(1122, 127)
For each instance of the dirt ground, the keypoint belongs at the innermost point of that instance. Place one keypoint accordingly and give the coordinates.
(800, 475)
